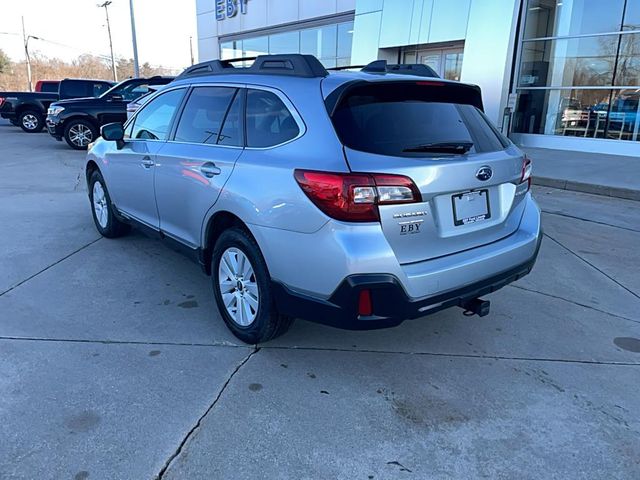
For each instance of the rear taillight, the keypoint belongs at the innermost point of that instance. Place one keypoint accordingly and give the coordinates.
(526, 171)
(354, 197)
(1, 101)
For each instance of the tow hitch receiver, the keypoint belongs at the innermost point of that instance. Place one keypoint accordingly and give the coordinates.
(477, 306)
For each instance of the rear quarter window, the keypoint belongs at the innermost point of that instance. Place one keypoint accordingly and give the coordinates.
(269, 121)
(390, 118)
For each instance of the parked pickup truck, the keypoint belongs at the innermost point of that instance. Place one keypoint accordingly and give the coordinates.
(78, 121)
(28, 110)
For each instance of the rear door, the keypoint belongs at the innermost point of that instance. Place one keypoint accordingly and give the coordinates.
(435, 134)
(194, 166)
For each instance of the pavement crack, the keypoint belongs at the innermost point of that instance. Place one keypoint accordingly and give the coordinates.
(455, 355)
(191, 432)
(574, 217)
(593, 266)
(575, 303)
(50, 266)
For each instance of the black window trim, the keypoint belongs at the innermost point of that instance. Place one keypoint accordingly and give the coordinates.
(132, 120)
(243, 88)
(174, 128)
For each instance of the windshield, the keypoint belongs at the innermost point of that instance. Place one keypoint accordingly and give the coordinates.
(411, 120)
(128, 90)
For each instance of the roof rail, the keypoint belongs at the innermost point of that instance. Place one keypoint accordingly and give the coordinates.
(415, 69)
(295, 65)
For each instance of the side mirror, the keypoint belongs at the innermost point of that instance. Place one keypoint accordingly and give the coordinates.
(113, 132)
(116, 98)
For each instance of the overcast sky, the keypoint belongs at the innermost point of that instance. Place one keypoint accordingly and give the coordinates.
(163, 29)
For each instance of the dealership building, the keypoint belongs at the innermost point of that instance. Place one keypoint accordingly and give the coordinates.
(559, 74)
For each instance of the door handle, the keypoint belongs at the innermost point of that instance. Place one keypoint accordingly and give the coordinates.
(147, 162)
(210, 170)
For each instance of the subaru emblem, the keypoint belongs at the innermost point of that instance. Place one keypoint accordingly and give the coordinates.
(484, 173)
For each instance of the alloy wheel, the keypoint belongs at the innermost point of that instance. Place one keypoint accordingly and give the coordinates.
(30, 121)
(80, 135)
(100, 205)
(238, 287)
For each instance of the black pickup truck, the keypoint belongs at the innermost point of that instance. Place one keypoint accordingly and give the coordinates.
(78, 121)
(28, 110)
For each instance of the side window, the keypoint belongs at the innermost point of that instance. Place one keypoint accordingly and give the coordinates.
(154, 120)
(269, 121)
(204, 114)
(100, 88)
(75, 89)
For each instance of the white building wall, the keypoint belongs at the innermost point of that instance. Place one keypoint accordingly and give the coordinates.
(260, 14)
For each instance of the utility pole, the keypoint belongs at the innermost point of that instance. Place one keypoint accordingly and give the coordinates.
(26, 52)
(191, 48)
(113, 59)
(136, 65)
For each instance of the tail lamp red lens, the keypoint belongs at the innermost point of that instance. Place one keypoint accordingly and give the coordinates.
(1, 101)
(355, 197)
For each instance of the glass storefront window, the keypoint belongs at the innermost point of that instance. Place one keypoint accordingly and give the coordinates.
(252, 47)
(288, 42)
(320, 42)
(632, 16)
(453, 66)
(624, 116)
(588, 61)
(231, 50)
(345, 39)
(555, 18)
(628, 72)
(575, 86)
(331, 44)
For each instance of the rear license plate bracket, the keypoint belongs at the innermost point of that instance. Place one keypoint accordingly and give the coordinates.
(470, 207)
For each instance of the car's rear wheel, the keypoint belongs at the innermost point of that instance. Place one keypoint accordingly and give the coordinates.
(80, 133)
(103, 215)
(31, 121)
(242, 289)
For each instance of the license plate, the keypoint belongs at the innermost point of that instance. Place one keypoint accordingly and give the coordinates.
(470, 207)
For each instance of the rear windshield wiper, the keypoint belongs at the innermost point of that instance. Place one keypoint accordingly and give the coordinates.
(442, 147)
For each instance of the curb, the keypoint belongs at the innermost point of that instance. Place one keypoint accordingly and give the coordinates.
(617, 192)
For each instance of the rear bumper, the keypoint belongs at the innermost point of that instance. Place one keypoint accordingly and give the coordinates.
(9, 115)
(391, 304)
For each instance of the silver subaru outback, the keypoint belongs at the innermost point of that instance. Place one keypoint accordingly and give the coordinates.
(357, 199)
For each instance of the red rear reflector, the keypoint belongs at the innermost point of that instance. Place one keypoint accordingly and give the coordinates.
(364, 304)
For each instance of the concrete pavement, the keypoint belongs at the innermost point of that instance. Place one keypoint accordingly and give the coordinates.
(114, 362)
(609, 175)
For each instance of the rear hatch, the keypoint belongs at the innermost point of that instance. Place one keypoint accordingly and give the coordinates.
(435, 133)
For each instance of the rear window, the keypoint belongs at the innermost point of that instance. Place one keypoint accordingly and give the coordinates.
(400, 119)
(50, 87)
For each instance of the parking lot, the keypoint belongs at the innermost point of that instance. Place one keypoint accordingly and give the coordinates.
(115, 364)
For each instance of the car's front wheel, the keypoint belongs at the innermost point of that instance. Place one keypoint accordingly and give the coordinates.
(242, 290)
(31, 121)
(80, 133)
(103, 215)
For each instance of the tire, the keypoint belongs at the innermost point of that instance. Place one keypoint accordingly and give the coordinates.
(102, 210)
(31, 121)
(80, 133)
(259, 321)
